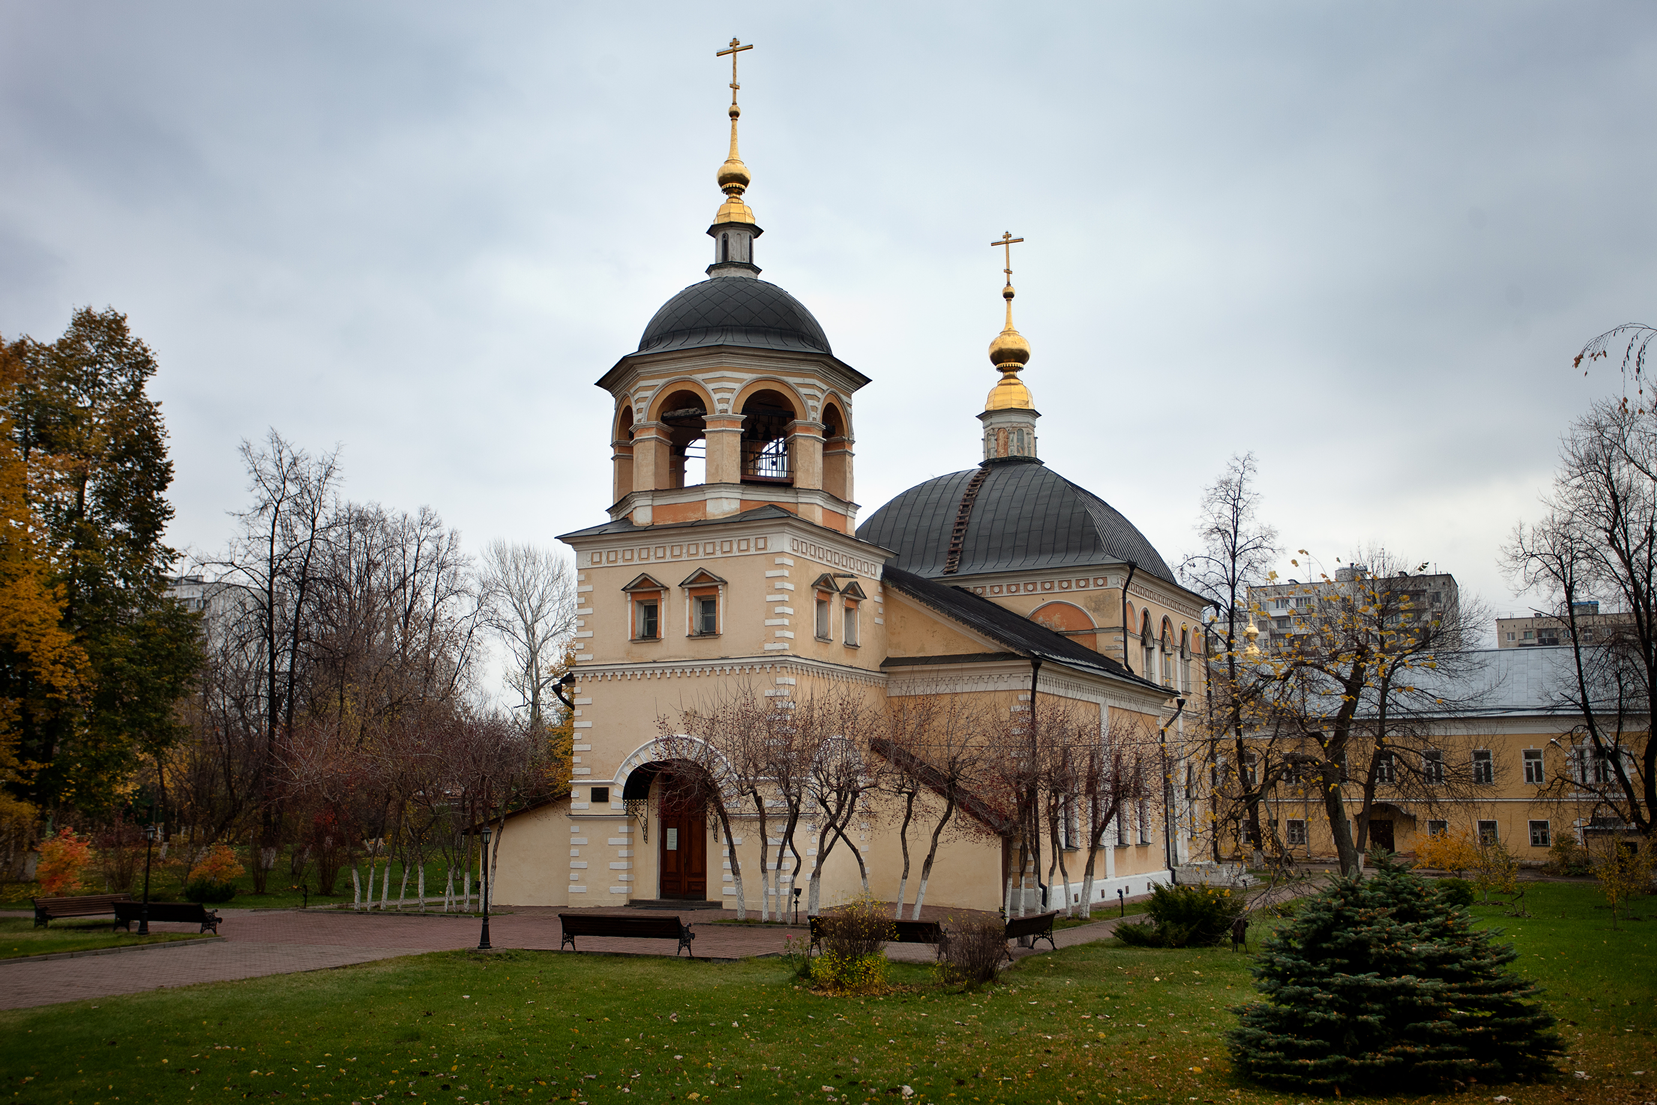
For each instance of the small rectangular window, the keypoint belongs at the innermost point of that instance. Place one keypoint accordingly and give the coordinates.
(1510, 636)
(601, 794)
(1144, 822)
(647, 624)
(1384, 770)
(1294, 832)
(1529, 635)
(1483, 769)
(707, 615)
(822, 617)
(848, 634)
(1539, 835)
(1487, 832)
(1432, 767)
(1437, 828)
(1533, 765)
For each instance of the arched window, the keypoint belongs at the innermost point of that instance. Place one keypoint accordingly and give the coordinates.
(685, 416)
(724, 247)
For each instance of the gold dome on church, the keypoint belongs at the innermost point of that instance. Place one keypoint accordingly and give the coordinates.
(1009, 352)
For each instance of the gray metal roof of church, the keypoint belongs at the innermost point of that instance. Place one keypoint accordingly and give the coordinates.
(1025, 516)
(734, 310)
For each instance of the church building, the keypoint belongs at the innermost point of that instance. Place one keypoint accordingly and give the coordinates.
(734, 563)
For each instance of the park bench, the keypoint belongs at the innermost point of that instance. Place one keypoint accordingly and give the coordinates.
(86, 905)
(903, 932)
(1039, 927)
(182, 913)
(646, 928)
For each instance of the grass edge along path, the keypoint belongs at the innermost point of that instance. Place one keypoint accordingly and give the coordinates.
(1092, 1023)
(20, 939)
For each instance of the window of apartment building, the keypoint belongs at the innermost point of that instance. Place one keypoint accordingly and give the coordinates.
(1144, 822)
(1437, 828)
(1587, 634)
(851, 599)
(1251, 769)
(1294, 832)
(1484, 771)
(1588, 767)
(702, 590)
(1510, 636)
(647, 598)
(1432, 767)
(1487, 832)
(1529, 635)
(1533, 765)
(1385, 770)
(825, 591)
(1280, 603)
(1540, 837)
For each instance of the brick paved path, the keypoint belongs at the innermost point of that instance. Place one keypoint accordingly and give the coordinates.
(273, 942)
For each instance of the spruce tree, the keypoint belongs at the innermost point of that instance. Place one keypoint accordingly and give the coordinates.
(1381, 985)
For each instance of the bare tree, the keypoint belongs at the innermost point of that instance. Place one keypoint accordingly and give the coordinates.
(276, 559)
(1365, 686)
(1238, 553)
(839, 777)
(1115, 776)
(938, 747)
(529, 599)
(1596, 547)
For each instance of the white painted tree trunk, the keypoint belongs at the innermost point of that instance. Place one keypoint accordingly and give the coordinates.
(466, 892)
(402, 891)
(385, 885)
(356, 888)
(420, 888)
(449, 890)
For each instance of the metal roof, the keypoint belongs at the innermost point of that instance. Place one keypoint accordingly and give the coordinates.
(1025, 516)
(734, 310)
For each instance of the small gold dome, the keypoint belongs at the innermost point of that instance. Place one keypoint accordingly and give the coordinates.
(1009, 394)
(733, 176)
(1009, 347)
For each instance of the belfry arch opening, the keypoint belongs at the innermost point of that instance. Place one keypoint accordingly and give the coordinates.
(685, 417)
(767, 420)
(837, 457)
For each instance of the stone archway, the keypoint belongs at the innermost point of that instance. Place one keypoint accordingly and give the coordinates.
(681, 831)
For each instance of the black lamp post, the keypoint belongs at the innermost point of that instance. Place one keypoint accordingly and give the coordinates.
(483, 941)
(144, 911)
(796, 905)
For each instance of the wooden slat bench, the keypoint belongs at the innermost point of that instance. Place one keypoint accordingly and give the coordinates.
(179, 913)
(86, 905)
(1039, 927)
(607, 924)
(904, 932)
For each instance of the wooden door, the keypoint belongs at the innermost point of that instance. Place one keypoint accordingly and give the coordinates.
(1380, 833)
(682, 853)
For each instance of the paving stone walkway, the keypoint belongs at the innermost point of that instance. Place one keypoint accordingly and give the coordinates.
(272, 942)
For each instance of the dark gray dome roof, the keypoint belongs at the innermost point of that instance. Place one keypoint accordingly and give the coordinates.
(734, 310)
(1024, 516)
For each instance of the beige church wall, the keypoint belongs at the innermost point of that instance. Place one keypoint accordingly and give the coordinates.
(917, 631)
(530, 867)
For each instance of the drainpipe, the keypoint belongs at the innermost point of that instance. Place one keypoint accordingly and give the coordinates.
(1035, 851)
(1132, 567)
(1168, 823)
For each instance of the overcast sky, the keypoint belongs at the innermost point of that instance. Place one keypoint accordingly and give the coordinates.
(1361, 240)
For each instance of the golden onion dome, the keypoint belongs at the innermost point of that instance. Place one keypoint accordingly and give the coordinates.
(733, 180)
(1009, 347)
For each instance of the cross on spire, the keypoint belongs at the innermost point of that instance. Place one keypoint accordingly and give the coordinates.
(736, 48)
(1006, 240)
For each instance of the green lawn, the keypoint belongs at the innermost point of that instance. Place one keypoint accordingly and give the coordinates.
(19, 938)
(1094, 1023)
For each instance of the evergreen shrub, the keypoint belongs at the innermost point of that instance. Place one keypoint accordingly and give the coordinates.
(1184, 917)
(1458, 892)
(1381, 985)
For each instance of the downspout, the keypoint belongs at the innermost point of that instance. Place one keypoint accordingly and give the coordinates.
(1168, 823)
(1035, 851)
(1132, 567)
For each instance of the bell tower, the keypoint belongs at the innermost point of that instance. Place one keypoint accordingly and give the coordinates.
(734, 399)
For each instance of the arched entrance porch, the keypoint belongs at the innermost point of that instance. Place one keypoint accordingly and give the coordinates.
(667, 792)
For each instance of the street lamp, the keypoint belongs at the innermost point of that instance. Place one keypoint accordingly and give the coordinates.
(144, 912)
(483, 941)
